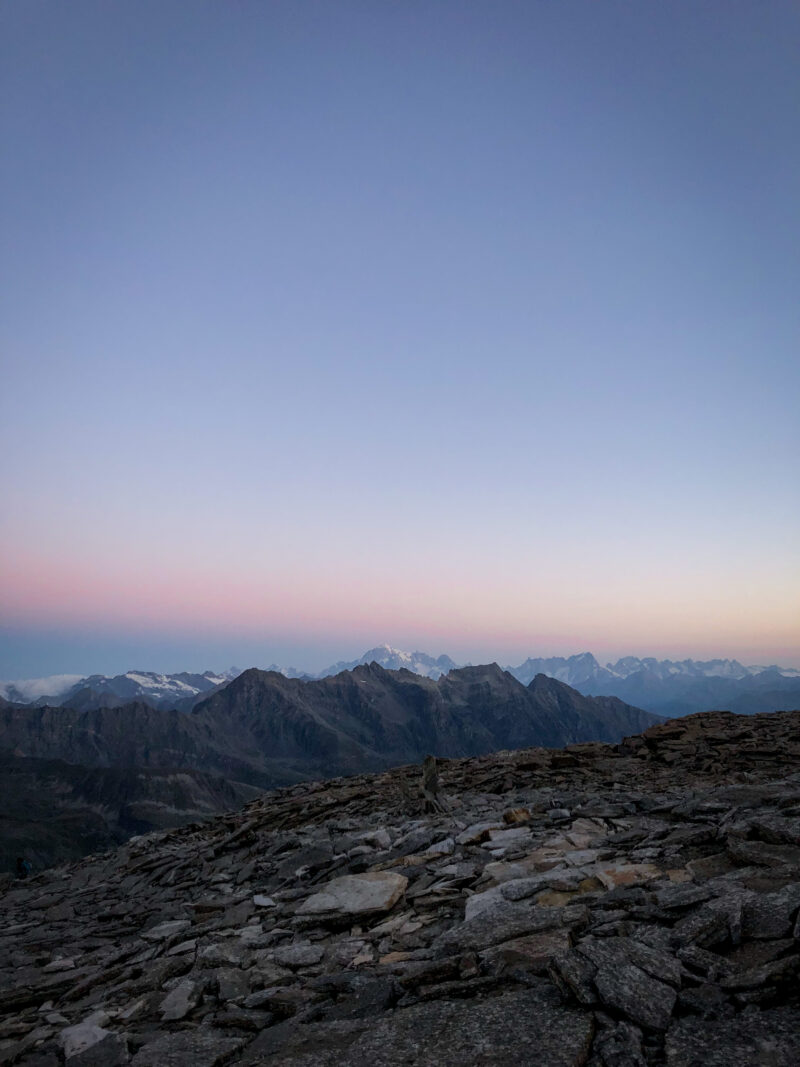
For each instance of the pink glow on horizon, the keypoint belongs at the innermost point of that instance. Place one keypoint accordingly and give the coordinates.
(461, 619)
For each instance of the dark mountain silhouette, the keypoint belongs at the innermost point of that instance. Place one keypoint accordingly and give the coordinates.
(266, 729)
(52, 811)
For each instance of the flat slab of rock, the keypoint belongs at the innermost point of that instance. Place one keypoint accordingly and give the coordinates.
(769, 1037)
(531, 953)
(502, 920)
(261, 900)
(357, 894)
(644, 999)
(478, 832)
(77, 1039)
(165, 930)
(58, 965)
(301, 954)
(528, 1027)
(180, 1001)
(200, 1048)
(112, 1051)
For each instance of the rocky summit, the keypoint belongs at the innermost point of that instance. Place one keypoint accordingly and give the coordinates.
(603, 904)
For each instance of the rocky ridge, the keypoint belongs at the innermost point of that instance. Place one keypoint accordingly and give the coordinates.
(268, 730)
(631, 904)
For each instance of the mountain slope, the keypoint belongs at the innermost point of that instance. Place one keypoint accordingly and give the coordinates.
(377, 718)
(266, 729)
(52, 811)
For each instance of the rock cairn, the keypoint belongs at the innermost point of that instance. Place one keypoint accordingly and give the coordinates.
(603, 905)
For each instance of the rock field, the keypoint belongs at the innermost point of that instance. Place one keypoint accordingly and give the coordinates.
(608, 905)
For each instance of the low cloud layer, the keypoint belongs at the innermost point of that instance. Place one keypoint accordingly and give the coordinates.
(33, 688)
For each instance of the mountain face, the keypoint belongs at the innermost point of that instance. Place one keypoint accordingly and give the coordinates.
(52, 811)
(266, 729)
(371, 717)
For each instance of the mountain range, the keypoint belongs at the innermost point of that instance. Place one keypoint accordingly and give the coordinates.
(673, 688)
(665, 687)
(100, 690)
(266, 729)
(99, 774)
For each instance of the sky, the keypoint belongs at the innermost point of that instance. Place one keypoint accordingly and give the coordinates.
(470, 327)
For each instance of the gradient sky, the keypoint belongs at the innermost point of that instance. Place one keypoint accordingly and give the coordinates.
(472, 327)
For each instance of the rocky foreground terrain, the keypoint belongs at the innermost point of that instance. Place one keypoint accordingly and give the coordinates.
(608, 905)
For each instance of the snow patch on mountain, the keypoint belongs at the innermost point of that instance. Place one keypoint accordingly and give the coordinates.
(395, 659)
(160, 690)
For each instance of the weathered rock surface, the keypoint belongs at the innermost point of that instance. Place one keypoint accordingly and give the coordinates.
(490, 1031)
(356, 894)
(769, 1037)
(636, 904)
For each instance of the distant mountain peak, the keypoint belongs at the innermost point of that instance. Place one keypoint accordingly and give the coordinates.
(395, 659)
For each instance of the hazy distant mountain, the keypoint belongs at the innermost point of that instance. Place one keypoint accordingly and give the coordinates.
(393, 659)
(670, 688)
(584, 668)
(786, 672)
(266, 729)
(52, 811)
(666, 687)
(289, 672)
(576, 671)
(667, 668)
(102, 691)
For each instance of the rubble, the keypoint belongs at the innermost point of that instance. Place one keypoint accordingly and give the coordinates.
(636, 904)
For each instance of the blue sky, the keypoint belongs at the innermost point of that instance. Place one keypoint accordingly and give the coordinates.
(466, 326)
